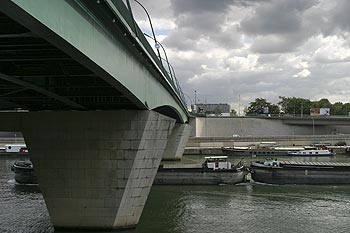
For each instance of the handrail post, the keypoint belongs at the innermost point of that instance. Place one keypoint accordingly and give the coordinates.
(150, 22)
(132, 16)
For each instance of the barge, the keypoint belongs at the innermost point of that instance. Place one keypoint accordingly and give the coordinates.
(294, 172)
(24, 172)
(273, 149)
(259, 151)
(215, 170)
(308, 153)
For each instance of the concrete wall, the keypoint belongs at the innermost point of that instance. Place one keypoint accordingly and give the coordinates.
(226, 127)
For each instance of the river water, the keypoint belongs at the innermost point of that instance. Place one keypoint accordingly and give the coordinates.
(185, 209)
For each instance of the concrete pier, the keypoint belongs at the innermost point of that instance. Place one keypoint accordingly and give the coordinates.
(95, 169)
(177, 142)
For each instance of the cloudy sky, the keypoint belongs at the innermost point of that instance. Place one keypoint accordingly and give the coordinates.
(233, 51)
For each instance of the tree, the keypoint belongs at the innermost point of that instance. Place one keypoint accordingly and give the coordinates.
(233, 112)
(257, 107)
(274, 109)
(322, 103)
(347, 109)
(293, 105)
(217, 110)
(338, 109)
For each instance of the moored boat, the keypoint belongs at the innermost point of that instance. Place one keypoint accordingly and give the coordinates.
(293, 172)
(259, 151)
(215, 170)
(24, 172)
(311, 153)
(14, 149)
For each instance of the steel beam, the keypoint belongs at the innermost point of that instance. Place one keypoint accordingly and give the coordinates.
(42, 91)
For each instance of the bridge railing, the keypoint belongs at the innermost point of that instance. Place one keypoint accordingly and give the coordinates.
(127, 15)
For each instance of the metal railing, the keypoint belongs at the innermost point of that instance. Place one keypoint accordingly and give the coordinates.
(127, 15)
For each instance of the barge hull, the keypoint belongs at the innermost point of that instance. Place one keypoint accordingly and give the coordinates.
(173, 177)
(25, 176)
(301, 176)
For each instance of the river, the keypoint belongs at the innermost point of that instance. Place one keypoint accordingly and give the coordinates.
(190, 209)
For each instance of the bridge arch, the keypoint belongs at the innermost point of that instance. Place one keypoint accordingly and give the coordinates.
(169, 111)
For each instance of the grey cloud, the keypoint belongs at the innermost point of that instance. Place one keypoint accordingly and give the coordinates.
(276, 17)
(341, 15)
(156, 9)
(199, 6)
(281, 26)
(276, 30)
(276, 44)
(207, 26)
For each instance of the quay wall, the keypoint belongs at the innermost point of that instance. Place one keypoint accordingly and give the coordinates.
(210, 143)
(258, 127)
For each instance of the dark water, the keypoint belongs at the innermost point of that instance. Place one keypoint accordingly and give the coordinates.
(187, 209)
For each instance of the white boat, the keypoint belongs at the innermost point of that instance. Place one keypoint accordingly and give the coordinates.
(311, 153)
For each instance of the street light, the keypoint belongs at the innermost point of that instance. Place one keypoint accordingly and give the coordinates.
(188, 98)
(158, 44)
(195, 97)
(150, 22)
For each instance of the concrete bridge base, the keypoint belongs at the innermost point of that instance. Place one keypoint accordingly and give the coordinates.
(96, 169)
(177, 142)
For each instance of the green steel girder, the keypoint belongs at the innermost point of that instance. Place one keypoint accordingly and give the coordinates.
(33, 80)
(83, 33)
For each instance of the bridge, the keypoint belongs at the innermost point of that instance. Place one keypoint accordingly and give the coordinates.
(96, 105)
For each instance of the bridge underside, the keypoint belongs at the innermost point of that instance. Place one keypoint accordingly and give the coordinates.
(84, 59)
(35, 75)
(95, 168)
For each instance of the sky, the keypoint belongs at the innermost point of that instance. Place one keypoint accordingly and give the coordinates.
(233, 51)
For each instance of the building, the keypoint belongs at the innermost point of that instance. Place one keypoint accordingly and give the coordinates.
(211, 108)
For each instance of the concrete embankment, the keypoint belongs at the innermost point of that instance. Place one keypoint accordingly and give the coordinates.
(281, 140)
(212, 145)
(203, 151)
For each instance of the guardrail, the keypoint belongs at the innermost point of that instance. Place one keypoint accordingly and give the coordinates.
(127, 15)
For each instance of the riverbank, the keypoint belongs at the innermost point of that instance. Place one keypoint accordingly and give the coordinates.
(288, 140)
(213, 145)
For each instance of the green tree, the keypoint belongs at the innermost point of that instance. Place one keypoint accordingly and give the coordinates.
(274, 109)
(217, 110)
(233, 112)
(322, 103)
(338, 109)
(257, 107)
(294, 105)
(346, 108)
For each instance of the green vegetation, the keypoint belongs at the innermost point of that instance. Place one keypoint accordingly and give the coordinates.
(259, 105)
(295, 106)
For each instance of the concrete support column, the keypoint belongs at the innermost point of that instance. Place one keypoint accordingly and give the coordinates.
(177, 142)
(96, 169)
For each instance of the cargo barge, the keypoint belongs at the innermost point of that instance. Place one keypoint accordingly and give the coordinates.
(215, 170)
(294, 172)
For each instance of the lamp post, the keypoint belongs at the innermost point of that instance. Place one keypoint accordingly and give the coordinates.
(195, 97)
(239, 105)
(166, 57)
(302, 110)
(188, 98)
(150, 22)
